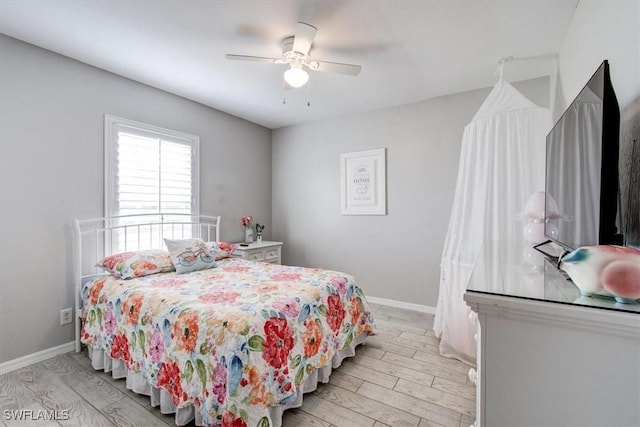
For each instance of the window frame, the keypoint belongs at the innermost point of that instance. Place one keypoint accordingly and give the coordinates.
(112, 125)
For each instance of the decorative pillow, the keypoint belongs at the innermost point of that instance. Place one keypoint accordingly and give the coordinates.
(221, 250)
(189, 255)
(137, 264)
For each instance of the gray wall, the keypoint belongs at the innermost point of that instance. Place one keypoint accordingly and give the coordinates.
(600, 30)
(51, 171)
(608, 30)
(396, 256)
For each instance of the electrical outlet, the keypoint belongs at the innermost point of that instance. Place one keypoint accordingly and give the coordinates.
(66, 316)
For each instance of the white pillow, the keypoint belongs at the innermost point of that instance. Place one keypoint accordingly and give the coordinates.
(189, 255)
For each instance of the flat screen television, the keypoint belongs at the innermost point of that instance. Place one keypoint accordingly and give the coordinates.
(581, 187)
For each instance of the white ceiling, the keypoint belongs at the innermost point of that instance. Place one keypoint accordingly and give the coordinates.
(409, 50)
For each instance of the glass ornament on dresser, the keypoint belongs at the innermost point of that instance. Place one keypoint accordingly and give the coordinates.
(534, 213)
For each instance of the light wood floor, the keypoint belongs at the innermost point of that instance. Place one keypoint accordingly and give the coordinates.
(397, 379)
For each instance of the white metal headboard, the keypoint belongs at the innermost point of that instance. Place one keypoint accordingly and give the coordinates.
(96, 238)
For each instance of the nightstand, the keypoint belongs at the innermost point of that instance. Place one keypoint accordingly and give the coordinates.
(264, 251)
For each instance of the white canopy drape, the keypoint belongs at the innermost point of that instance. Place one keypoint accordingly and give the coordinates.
(502, 162)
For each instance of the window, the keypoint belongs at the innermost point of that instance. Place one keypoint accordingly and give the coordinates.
(148, 170)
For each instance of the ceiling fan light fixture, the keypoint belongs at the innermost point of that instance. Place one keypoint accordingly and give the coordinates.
(295, 54)
(296, 77)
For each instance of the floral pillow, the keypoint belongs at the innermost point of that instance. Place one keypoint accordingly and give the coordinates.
(190, 255)
(221, 250)
(127, 265)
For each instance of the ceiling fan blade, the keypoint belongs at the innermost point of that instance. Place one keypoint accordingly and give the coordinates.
(251, 58)
(335, 67)
(303, 38)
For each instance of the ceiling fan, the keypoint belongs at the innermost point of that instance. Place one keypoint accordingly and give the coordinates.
(295, 53)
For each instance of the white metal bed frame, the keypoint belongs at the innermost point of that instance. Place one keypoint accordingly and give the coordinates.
(96, 238)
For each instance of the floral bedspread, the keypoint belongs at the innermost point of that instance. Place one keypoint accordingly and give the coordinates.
(230, 340)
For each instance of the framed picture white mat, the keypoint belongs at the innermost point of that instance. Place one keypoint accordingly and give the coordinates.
(363, 182)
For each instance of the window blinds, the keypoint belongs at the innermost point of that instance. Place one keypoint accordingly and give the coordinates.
(149, 170)
(153, 175)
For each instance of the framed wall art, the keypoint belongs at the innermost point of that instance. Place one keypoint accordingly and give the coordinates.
(364, 182)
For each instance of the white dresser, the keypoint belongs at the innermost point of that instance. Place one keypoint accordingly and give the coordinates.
(264, 251)
(548, 356)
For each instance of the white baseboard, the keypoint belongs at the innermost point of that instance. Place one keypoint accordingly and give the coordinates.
(32, 358)
(401, 304)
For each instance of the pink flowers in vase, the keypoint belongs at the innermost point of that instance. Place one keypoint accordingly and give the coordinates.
(246, 220)
(248, 231)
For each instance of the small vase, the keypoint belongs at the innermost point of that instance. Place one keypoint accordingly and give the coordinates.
(259, 237)
(248, 234)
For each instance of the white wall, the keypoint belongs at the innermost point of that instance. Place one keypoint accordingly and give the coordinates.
(396, 256)
(608, 30)
(51, 171)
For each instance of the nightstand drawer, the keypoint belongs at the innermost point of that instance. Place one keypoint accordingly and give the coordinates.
(260, 252)
(272, 253)
(256, 255)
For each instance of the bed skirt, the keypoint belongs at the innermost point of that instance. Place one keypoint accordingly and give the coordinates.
(159, 397)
